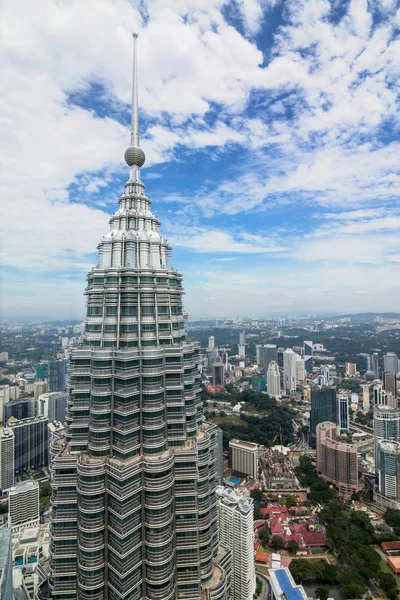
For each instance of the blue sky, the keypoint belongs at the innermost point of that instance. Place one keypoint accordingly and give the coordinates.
(271, 131)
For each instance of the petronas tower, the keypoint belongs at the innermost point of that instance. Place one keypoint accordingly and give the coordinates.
(133, 506)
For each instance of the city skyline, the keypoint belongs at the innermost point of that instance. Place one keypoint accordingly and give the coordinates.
(269, 132)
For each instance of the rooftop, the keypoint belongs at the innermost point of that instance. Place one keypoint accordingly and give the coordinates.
(288, 589)
(248, 445)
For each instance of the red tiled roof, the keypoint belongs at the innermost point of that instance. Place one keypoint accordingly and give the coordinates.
(274, 510)
(314, 538)
(262, 557)
(276, 528)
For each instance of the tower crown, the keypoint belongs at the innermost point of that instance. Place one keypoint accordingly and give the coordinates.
(134, 155)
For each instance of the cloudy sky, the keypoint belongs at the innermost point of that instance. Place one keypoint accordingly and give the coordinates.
(271, 130)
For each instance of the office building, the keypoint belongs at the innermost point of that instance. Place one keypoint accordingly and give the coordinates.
(259, 354)
(134, 481)
(6, 564)
(52, 405)
(14, 392)
(368, 362)
(323, 407)
(244, 458)
(388, 471)
(242, 338)
(300, 369)
(390, 383)
(23, 505)
(289, 371)
(343, 412)
(337, 462)
(390, 362)
(308, 352)
(20, 409)
(283, 586)
(273, 380)
(6, 458)
(269, 353)
(218, 374)
(4, 399)
(365, 397)
(280, 357)
(375, 365)
(386, 426)
(351, 369)
(236, 532)
(242, 351)
(381, 396)
(211, 343)
(30, 443)
(259, 384)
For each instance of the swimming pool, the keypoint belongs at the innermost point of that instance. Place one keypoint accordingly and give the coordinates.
(234, 480)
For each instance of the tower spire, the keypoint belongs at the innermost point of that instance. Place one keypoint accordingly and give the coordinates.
(134, 155)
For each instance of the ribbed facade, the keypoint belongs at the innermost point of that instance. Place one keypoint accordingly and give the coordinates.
(134, 512)
(388, 469)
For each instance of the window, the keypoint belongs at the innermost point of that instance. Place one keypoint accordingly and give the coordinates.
(129, 311)
(144, 279)
(148, 327)
(95, 310)
(111, 310)
(163, 310)
(112, 279)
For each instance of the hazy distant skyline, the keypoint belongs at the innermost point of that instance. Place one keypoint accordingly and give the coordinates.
(271, 135)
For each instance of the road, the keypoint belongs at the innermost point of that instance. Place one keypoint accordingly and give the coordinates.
(266, 593)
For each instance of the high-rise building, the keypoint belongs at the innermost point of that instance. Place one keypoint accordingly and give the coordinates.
(300, 369)
(30, 443)
(52, 405)
(368, 362)
(375, 364)
(388, 471)
(351, 369)
(390, 362)
(337, 462)
(244, 458)
(269, 353)
(236, 532)
(279, 360)
(4, 399)
(54, 373)
(386, 426)
(308, 352)
(6, 458)
(323, 407)
(289, 371)
(365, 397)
(211, 343)
(219, 456)
(6, 564)
(218, 374)
(14, 392)
(381, 396)
(20, 409)
(39, 388)
(3, 356)
(343, 412)
(134, 504)
(23, 505)
(259, 354)
(242, 351)
(273, 380)
(242, 338)
(390, 383)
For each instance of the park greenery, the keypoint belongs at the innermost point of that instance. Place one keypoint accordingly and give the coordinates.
(350, 536)
(273, 421)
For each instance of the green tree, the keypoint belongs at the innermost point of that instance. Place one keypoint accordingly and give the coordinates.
(264, 535)
(292, 547)
(392, 517)
(276, 542)
(301, 570)
(322, 592)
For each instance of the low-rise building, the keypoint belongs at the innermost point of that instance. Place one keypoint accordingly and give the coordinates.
(283, 586)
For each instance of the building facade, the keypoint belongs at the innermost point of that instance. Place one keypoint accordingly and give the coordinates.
(6, 564)
(20, 409)
(6, 458)
(323, 407)
(386, 426)
(134, 512)
(244, 457)
(52, 405)
(337, 462)
(308, 352)
(289, 371)
(273, 380)
(236, 532)
(23, 505)
(390, 362)
(343, 412)
(31, 443)
(218, 373)
(388, 471)
(390, 384)
(269, 353)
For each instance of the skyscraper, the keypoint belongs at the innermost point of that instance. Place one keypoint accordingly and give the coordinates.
(308, 356)
(211, 343)
(386, 426)
(388, 471)
(390, 362)
(375, 364)
(323, 407)
(270, 352)
(23, 505)
(343, 412)
(273, 380)
(289, 371)
(30, 443)
(236, 531)
(337, 462)
(134, 510)
(6, 458)
(218, 374)
(52, 405)
(390, 383)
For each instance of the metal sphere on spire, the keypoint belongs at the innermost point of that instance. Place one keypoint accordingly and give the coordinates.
(134, 155)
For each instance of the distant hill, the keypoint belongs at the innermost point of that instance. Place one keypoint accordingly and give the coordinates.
(367, 317)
